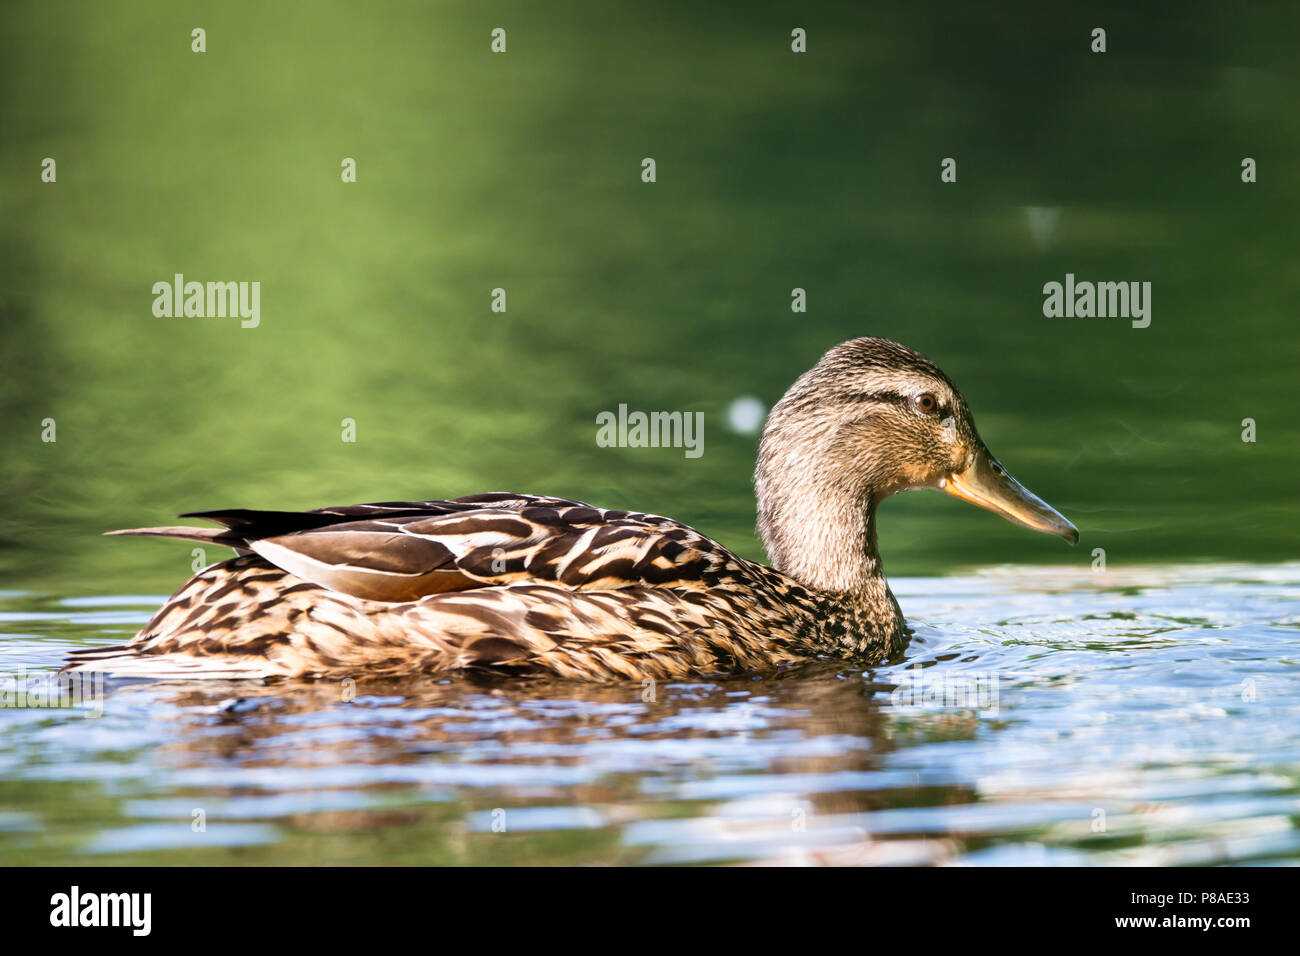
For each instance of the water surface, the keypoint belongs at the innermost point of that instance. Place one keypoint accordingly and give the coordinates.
(1044, 716)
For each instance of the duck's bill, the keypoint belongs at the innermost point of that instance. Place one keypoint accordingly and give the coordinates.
(986, 484)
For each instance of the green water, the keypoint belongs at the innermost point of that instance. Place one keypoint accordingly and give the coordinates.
(522, 171)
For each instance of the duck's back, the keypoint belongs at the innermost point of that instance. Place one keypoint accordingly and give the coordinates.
(518, 583)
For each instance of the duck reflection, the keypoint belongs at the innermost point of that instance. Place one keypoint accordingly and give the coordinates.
(481, 768)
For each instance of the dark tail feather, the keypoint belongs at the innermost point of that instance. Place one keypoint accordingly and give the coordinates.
(251, 525)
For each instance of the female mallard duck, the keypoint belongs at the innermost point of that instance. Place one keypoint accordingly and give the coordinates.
(526, 585)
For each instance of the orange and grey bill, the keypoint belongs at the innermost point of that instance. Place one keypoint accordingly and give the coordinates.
(986, 483)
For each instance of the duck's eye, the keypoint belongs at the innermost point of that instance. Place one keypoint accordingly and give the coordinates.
(926, 402)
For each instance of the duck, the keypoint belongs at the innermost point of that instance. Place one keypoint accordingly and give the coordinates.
(529, 585)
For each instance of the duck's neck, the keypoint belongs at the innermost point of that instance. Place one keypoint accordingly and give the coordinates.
(821, 534)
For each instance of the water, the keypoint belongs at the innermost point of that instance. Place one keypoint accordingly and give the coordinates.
(1044, 716)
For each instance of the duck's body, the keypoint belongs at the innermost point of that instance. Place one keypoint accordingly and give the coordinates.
(517, 583)
(531, 585)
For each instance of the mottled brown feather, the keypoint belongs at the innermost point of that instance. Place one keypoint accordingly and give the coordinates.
(522, 582)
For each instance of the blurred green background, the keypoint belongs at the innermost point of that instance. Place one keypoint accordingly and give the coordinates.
(775, 170)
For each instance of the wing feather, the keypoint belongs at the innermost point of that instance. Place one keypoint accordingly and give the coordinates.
(402, 551)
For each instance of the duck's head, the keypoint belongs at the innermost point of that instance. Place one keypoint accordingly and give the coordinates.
(872, 418)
